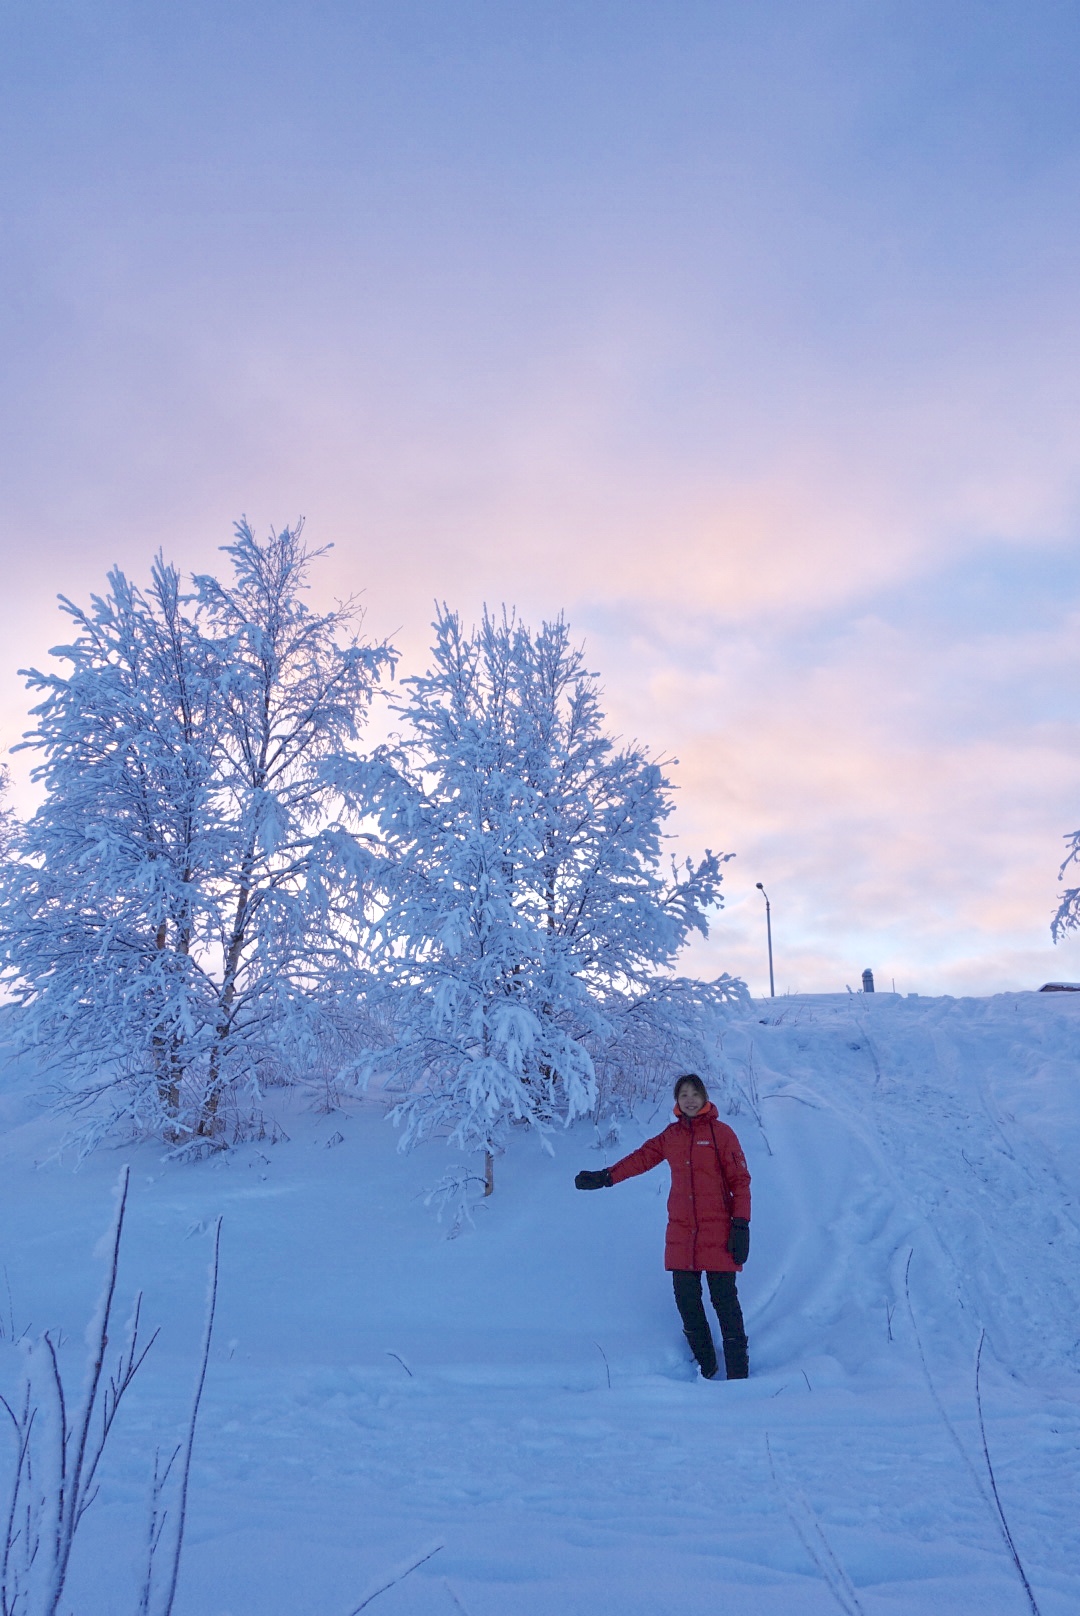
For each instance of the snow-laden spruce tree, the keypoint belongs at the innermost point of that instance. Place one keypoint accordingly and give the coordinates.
(528, 911)
(185, 901)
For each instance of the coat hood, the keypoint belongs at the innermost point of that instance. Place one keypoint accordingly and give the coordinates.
(708, 1110)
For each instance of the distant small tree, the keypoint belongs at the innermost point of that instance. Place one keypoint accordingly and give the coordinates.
(527, 910)
(1067, 917)
(186, 899)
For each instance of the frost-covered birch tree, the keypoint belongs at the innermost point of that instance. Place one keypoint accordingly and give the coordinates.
(609, 901)
(186, 900)
(614, 903)
(100, 913)
(290, 882)
(528, 910)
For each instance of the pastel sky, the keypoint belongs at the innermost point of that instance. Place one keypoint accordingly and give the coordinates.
(748, 334)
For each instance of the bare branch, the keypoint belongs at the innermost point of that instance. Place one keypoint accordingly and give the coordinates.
(189, 1444)
(1021, 1573)
(397, 1576)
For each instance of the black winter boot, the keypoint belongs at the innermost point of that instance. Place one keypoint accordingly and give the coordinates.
(705, 1353)
(736, 1361)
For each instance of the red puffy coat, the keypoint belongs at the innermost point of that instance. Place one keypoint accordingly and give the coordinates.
(710, 1185)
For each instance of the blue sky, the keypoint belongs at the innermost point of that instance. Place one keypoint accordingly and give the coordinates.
(749, 335)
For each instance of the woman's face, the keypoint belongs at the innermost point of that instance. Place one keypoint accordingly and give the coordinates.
(689, 1100)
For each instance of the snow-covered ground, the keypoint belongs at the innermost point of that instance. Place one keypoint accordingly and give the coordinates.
(376, 1388)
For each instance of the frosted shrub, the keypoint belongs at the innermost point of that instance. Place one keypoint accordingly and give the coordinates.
(676, 1026)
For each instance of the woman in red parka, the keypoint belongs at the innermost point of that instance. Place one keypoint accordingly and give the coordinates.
(708, 1219)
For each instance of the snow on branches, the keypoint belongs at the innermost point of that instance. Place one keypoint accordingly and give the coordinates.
(8, 822)
(187, 899)
(219, 884)
(1067, 917)
(527, 923)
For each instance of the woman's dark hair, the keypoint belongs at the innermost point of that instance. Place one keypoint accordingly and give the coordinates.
(695, 1083)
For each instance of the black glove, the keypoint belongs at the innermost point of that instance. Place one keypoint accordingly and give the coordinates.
(738, 1241)
(593, 1181)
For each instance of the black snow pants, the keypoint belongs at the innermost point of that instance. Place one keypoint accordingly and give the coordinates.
(725, 1299)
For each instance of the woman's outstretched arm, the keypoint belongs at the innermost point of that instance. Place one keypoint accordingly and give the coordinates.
(642, 1160)
(648, 1155)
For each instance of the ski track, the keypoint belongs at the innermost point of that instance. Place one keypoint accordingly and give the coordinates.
(375, 1388)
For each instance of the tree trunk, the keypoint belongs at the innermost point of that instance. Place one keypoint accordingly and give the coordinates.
(168, 1081)
(208, 1121)
(489, 1173)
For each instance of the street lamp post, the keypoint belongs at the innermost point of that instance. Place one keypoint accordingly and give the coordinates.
(768, 933)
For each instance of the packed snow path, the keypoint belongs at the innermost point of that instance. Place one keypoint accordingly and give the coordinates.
(376, 1388)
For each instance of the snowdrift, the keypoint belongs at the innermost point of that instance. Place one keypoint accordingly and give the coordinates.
(521, 1394)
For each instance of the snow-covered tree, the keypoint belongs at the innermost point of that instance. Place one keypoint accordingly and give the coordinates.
(186, 898)
(1067, 917)
(99, 915)
(527, 912)
(610, 903)
(8, 822)
(290, 790)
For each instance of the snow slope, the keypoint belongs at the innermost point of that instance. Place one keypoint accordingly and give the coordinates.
(376, 1388)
